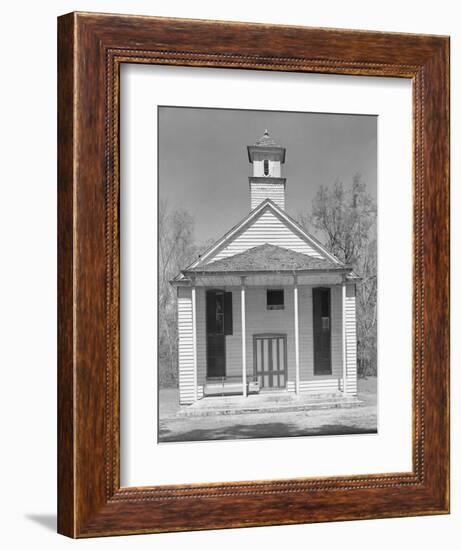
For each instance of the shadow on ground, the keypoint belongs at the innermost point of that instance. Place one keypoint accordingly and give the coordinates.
(360, 420)
(256, 431)
(48, 521)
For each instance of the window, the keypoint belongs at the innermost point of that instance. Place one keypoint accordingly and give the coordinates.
(266, 167)
(275, 299)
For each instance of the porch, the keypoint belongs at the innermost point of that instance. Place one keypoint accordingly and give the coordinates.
(266, 348)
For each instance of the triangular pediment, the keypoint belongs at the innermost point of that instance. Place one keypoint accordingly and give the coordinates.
(266, 225)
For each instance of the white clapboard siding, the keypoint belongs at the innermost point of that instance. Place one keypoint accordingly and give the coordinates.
(351, 341)
(306, 334)
(267, 228)
(185, 347)
(336, 332)
(201, 336)
(260, 191)
(260, 320)
(310, 382)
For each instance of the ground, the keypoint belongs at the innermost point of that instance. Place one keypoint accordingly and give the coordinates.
(362, 419)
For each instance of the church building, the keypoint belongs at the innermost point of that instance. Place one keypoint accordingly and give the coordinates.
(267, 308)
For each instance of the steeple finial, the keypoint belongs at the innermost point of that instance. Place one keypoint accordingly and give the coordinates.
(266, 140)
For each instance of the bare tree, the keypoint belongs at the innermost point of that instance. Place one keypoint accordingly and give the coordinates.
(367, 290)
(176, 250)
(345, 220)
(345, 217)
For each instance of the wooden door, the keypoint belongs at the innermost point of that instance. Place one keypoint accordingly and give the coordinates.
(270, 360)
(218, 325)
(321, 301)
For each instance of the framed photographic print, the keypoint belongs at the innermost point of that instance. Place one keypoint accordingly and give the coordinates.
(253, 275)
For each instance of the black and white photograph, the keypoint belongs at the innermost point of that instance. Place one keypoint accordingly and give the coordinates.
(267, 281)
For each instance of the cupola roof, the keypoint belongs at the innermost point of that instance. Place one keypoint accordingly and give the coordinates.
(266, 140)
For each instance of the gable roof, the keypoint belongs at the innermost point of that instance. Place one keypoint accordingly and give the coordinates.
(268, 257)
(267, 204)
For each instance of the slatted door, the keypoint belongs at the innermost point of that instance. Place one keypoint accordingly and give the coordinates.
(270, 360)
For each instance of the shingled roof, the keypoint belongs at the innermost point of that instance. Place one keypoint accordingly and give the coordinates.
(266, 140)
(268, 257)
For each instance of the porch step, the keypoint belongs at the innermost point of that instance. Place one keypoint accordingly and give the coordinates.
(247, 405)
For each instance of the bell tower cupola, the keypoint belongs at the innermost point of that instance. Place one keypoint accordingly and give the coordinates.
(266, 181)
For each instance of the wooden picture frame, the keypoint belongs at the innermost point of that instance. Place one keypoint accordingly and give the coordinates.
(92, 48)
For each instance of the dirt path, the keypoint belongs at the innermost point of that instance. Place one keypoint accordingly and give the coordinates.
(357, 420)
(331, 422)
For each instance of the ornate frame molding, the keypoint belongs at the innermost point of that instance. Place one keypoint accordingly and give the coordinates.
(91, 50)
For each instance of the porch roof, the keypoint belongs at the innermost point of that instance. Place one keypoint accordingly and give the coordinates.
(268, 258)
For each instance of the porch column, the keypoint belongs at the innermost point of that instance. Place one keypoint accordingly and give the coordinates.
(244, 350)
(295, 294)
(194, 338)
(343, 302)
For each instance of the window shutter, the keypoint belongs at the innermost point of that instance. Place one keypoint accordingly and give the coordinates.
(228, 323)
(321, 298)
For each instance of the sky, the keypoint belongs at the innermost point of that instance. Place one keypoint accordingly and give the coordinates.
(204, 166)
